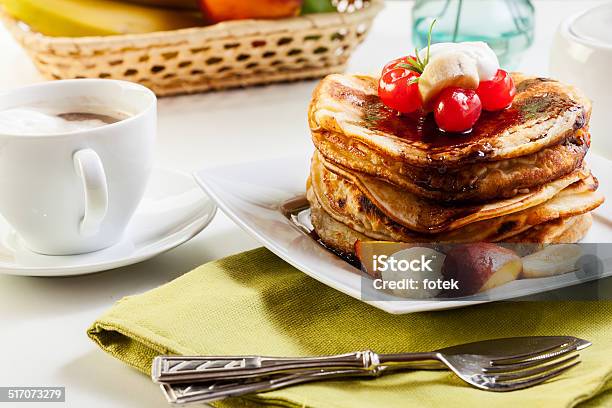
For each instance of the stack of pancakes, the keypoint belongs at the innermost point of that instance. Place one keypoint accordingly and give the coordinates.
(519, 176)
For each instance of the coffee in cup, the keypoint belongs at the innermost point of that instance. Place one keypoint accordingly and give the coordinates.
(75, 158)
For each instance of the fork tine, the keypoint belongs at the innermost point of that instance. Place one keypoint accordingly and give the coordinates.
(517, 375)
(529, 382)
(539, 356)
(532, 362)
(523, 356)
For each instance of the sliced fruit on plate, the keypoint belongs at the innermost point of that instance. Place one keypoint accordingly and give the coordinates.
(552, 260)
(366, 250)
(387, 260)
(428, 268)
(479, 267)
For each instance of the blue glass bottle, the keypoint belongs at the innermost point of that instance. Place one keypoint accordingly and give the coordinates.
(506, 25)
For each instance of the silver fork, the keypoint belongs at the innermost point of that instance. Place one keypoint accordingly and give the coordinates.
(492, 365)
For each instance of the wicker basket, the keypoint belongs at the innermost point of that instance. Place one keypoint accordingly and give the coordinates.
(224, 55)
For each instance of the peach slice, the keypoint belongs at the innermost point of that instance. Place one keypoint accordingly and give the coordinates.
(479, 267)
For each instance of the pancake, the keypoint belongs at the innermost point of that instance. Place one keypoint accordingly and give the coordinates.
(543, 136)
(518, 177)
(544, 113)
(342, 239)
(332, 233)
(418, 214)
(473, 182)
(358, 213)
(560, 231)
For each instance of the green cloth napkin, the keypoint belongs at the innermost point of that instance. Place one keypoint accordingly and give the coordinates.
(255, 303)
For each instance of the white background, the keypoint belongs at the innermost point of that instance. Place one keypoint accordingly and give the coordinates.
(43, 320)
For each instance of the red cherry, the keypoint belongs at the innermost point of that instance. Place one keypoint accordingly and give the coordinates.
(394, 63)
(498, 93)
(398, 88)
(457, 110)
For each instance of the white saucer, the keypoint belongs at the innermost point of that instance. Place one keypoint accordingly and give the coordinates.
(173, 210)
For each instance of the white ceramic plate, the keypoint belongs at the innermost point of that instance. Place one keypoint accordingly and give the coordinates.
(251, 195)
(173, 210)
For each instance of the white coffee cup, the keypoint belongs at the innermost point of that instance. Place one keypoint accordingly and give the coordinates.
(582, 55)
(75, 192)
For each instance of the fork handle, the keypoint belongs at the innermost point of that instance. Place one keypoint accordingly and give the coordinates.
(211, 391)
(177, 369)
(421, 361)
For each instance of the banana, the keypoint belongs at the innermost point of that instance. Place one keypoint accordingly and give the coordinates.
(446, 70)
(177, 4)
(484, 57)
(76, 18)
(552, 260)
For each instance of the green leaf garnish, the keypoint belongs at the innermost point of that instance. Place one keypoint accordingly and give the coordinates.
(415, 63)
(535, 107)
(408, 67)
(373, 118)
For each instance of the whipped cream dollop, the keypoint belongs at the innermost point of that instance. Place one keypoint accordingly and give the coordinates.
(462, 65)
(482, 56)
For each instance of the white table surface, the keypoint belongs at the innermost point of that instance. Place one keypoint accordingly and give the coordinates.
(43, 320)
